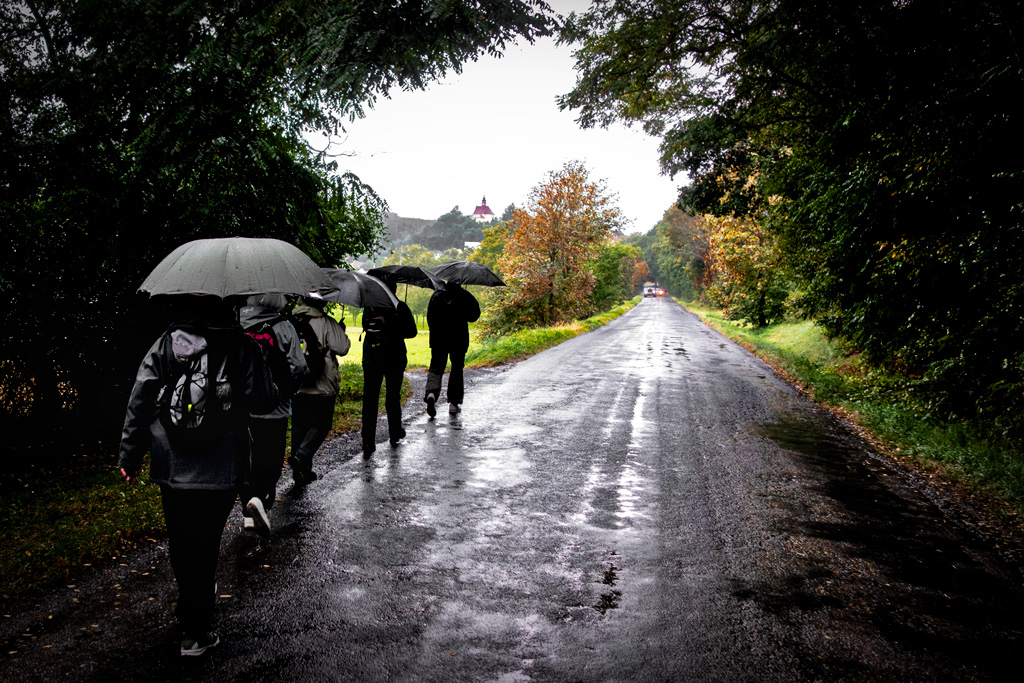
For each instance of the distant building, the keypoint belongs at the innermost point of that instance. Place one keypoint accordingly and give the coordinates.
(483, 213)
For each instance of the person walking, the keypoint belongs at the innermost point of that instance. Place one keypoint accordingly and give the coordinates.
(189, 409)
(263, 320)
(384, 359)
(449, 312)
(313, 403)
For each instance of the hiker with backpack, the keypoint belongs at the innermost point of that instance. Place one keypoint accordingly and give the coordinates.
(385, 330)
(189, 408)
(263, 320)
(449, 312)
(323, 340)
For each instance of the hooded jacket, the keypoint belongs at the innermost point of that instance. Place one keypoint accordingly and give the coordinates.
(333, 342)
(219, 464)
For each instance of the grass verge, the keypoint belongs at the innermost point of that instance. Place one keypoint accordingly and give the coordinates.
(525, 343)
(968, 456)
(56, 520)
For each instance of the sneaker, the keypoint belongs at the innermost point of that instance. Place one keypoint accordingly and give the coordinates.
(247, 523)
(259, 516)
(398, 437)
(193, 647)
(454, 409)
(303, 477)
(368, 450)
(431, 400)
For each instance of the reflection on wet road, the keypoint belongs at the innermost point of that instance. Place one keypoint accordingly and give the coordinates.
(646, 502)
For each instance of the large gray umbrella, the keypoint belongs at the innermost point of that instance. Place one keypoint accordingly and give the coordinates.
(236, 266)
(467, 273)
(357, 289)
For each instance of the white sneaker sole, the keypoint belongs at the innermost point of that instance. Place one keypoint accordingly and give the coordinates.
(261, 523)
(196, 651)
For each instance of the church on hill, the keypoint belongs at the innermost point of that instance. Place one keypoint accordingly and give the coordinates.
(483, 213)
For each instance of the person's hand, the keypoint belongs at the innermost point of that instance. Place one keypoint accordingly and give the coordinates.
(130, 478)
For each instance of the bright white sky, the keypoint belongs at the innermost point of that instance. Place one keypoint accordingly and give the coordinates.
(496, 131)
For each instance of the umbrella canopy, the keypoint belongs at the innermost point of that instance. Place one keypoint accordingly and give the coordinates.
(410, 275)
(467, 273)
(236, 266)
(357, 289)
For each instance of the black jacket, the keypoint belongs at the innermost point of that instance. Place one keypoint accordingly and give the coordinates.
(449, 313)
(387, 348)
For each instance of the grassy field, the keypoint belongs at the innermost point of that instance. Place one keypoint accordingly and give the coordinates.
(970, 455)
(55, 520)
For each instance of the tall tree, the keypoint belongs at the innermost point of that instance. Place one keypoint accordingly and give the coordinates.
(129, 128)
(550, 246)
(885, 140)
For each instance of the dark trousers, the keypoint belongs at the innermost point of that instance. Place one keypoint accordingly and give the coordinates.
(195, 521)
(438, 360)
(312, 417)
(268, 440)
(391, 377)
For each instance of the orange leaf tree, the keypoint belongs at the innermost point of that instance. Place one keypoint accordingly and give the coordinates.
(551, 244)
(640, 273)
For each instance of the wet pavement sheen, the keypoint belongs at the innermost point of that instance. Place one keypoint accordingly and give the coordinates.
(646, 502)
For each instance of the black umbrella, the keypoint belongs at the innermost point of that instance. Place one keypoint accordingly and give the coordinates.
(357, 289)
(235, 266)
(467, 273)
(409, 275)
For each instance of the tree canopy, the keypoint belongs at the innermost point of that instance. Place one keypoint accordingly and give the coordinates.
(879, 143)
(131, 127)
(450, 231)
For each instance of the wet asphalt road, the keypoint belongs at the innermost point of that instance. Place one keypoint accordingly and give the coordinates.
(647, 502)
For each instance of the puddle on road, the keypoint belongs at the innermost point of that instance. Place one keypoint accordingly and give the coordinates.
(681, 351)
(515, 435)
(549, 396)
(499, 467)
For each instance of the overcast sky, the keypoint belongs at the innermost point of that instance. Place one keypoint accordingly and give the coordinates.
(496, 131)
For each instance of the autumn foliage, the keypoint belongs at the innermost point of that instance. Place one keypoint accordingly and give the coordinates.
(743, 270)
(551, 245)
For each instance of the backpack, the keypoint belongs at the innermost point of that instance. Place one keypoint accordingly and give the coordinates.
(379, 325)
(195, 401)
(315, 361)
(265, 337)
